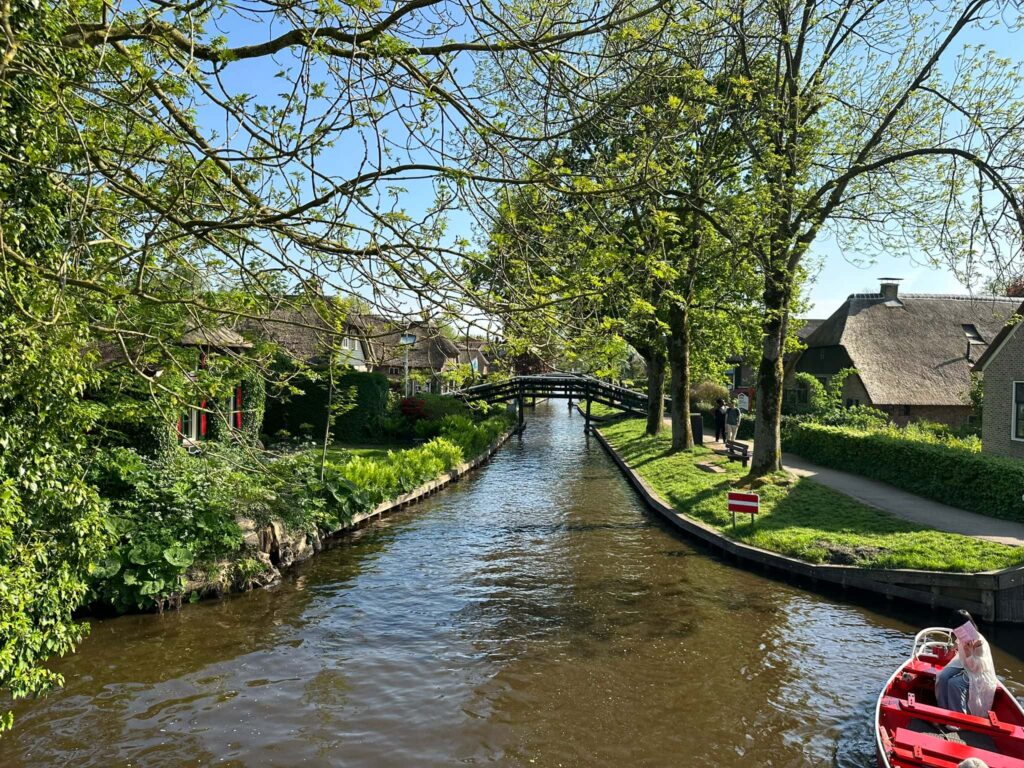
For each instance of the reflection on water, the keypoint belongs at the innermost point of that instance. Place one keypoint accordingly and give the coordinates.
(534, 614)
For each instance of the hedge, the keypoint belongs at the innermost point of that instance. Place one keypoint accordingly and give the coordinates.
(357, 424)
(978, 482)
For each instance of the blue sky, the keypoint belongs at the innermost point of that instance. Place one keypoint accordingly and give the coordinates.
(842, 275)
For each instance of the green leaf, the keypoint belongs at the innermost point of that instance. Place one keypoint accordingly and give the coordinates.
(107, 568)
(145, 553)
(179, 556)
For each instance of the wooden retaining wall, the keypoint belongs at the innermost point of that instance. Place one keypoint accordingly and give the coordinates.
(996, 596)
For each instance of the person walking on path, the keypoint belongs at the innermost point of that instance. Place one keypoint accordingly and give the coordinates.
(720, 420)
(732, 421)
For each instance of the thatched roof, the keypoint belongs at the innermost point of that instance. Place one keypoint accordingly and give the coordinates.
(220, 338)
(302, 333)
(432, 350)
(810, 325)
(912, 349)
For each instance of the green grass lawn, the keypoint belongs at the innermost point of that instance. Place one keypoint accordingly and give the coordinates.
(338, 452)
(601, 410)
(799, 518)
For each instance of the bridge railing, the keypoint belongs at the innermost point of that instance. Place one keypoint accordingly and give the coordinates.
(571, 386)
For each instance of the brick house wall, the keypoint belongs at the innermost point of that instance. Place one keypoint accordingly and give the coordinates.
(1001, 371)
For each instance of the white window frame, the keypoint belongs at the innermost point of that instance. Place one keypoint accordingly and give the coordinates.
(1013, 412)
(190, 432)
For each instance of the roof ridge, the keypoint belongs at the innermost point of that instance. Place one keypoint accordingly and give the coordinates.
(957, 296)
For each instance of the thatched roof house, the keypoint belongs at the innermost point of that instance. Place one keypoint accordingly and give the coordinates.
(429, 355)
(304, 335)
(913, 352)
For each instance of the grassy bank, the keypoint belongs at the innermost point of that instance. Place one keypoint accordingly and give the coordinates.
(800, 518)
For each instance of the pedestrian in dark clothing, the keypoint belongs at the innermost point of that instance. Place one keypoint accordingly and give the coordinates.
(720, 410)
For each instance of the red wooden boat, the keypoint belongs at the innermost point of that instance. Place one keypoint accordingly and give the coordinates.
(911, 731)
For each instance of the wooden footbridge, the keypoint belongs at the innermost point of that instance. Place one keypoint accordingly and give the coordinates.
(562, 386)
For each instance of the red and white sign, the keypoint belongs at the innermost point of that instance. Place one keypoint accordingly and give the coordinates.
(744, 502)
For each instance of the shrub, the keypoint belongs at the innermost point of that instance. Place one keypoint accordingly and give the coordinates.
(709, 392)
(309, 408)
(166, 513)
(947, 471)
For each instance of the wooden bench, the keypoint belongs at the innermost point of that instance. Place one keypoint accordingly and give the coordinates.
(990, 726)
(913, 748)
(737, 451)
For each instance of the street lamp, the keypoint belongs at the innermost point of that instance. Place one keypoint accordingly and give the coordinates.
(407, 340)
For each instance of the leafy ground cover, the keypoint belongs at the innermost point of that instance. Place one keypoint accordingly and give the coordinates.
(173, 512)
(800, 518)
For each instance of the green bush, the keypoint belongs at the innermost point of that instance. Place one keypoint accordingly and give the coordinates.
(709, 392)
(951, 471)
(166, 513)
(361, 423)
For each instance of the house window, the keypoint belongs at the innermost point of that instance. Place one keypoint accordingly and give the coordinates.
(234, 408)
(394, 371)
(906, 410)
(1018, 410)
(192, 424)
(852, 401)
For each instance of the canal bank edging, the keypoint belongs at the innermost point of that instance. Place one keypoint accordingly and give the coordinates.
(278, 549)
(996, 596)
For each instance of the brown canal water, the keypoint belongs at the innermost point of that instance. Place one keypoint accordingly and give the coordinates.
(533, 614)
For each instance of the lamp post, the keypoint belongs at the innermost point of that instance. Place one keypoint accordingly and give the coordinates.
(407, 340)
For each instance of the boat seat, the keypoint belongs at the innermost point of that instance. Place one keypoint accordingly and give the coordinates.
(922, 667)
(926, 749)
(990, 726)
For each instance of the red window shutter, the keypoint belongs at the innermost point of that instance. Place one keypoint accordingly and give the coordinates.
(181, 428)
(202, 419)
(238, 406)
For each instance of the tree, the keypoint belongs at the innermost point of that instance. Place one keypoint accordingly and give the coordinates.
(615, 228)
(872, 141)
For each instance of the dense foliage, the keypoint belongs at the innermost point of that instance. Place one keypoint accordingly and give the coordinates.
(50, 518)
(304, 411)
(174, 510)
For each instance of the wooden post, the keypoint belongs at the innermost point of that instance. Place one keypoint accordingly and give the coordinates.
(521, 405)
(586, 424)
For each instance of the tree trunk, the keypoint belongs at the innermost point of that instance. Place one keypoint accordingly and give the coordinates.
(767, 456)
(679, 387)
(655, 392)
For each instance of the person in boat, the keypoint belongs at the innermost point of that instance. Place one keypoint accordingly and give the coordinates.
(972, 762)
(968, 682)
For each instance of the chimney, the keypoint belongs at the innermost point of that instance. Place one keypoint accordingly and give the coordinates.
(889, 287)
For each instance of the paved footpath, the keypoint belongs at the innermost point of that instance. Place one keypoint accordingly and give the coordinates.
(903, 504)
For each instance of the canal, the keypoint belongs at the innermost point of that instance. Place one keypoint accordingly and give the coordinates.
(532, 614)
